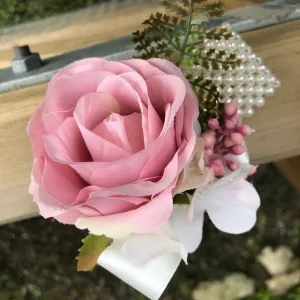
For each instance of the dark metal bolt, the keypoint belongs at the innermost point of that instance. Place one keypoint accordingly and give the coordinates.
(25, 60)
(22, 51)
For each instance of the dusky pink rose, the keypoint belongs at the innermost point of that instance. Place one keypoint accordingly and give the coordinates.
(109, 141)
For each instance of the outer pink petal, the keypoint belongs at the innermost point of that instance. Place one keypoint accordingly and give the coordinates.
(143, 67)
(92, 64)
(63, 94)
(48, 205)
(146, 187)
(61, 182)
(112, 205)
(122, 91)
(36, 131)
(69, 217)
(146, 218)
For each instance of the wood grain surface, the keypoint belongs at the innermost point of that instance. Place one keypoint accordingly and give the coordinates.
(290, 168)
(84, 28)
(277, 124)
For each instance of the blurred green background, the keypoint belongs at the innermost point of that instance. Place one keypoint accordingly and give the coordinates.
(17, 11)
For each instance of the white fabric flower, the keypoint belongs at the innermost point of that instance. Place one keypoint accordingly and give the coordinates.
(231, 204)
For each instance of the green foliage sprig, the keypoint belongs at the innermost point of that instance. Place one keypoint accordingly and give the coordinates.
(180, 37)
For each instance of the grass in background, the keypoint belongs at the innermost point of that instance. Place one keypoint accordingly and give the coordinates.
(18, 11)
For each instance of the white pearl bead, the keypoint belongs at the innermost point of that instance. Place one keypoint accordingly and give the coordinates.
(262, 68)
(269, 91)
(250, 79)
(249, 101)
(240, 79)
(252, 56)
(259, 91)
(222, 46)
(228, 90)
(262, 79)
(219, 89)
(240, 112)
(239, 101)
(242, 47)
(243, 57)
(218, 79)
(271, 79)
(249, 112)
(249, 90)
(239, 90)
(229, 79)
(232, 46)
(258, 61)
(277, 83)
(242, 68)
(208, 45)
(259, 102)
(251, 68)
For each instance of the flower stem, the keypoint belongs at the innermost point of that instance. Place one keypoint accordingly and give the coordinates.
(187, 34)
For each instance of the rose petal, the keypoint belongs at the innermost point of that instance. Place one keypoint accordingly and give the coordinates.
(114, 205)
(169, 68)
(121, 90)
(36, 131)
(125, 132)
(160, 156)
(63, 94)
(143, 67)
(101, 149)
(166, 89)
(69, 217)
(61, 182)
(146, 218)
(48, 205)
(66, 143)
(154, 122)
(91, 65)
(146, 187)
(93, 108)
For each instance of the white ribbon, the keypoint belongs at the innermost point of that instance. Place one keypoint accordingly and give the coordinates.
(150, 279)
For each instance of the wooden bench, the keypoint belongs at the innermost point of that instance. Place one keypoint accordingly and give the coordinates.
(277, 125)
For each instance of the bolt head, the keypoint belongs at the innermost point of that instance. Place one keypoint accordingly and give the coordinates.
(26, 64)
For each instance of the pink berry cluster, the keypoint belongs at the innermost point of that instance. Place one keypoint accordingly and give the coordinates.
(223, 139)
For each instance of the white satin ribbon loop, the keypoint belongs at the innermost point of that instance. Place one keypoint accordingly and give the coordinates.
(150, 279)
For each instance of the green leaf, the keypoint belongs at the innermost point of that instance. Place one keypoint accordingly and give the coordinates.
(181, 199)
(188, 62)
(93, 246)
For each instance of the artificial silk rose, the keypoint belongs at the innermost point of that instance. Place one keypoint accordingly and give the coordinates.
(110, 140)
